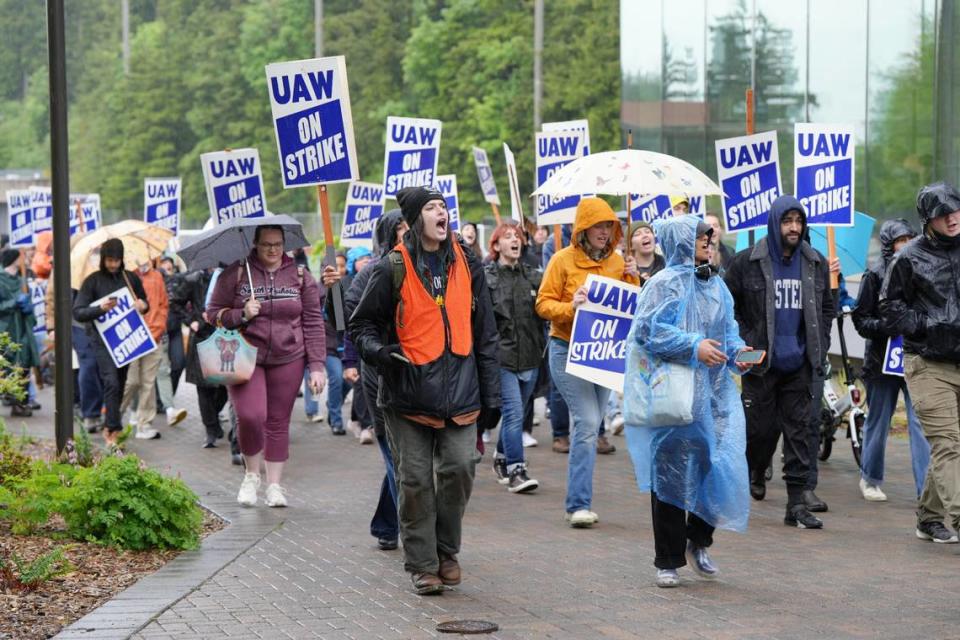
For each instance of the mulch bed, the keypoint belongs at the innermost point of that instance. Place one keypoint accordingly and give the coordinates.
(100, 573)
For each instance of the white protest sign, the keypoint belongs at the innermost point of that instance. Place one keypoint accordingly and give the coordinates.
(20, 214)
(310, 100)
(516, 203)
(41, 201)
(411, 154)
(89, 212)
(893, 357)
(580, 126)
(234, 184)
(485, 173)
(447, 185)
(123, 330)
(598, 349)
(361, 211)
(748, 170)
(823, 172)
(38, 293)
(161, 202)
(698, 206)
(554, 150)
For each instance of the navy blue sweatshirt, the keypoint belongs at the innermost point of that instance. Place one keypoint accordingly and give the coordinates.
(789, 341)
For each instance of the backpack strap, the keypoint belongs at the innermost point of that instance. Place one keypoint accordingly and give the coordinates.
(397, 272)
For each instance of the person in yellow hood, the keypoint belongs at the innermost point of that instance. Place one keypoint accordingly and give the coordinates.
(596, 233)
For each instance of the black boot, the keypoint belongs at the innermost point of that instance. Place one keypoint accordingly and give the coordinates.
(814, 503)
(758, 484)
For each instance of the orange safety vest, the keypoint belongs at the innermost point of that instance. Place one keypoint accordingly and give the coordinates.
(421, 328)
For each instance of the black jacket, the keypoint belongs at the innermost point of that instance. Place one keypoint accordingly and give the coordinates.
(920, 298)
(178, 314)
(97, 285)
(386, 233)
(190, 295)
(749, 278)
(451, 385)
(513, 292)
(866, 314)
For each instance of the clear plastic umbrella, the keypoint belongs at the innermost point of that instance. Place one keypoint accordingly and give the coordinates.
(629, 171)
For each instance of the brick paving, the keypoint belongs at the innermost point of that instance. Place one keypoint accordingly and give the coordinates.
(313, 570)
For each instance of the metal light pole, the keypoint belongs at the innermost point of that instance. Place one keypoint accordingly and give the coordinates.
(537, 62)
(125, 30)
(60, 184)
(318, 28)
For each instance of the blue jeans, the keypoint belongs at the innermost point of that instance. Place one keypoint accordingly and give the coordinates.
(337, 391)
(882, 393)
(515, 391)
(559, 414)
(91, 390)
(386, 523)
(587, 402)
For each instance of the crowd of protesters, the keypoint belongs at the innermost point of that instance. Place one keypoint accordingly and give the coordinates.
(448, 338)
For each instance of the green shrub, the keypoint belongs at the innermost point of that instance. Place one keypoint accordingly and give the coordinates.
(13, 464)
(119, 502)
(19, 575)
(28, 502)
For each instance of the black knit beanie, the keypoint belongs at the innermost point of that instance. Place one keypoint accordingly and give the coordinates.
(8, 257)
(412, 200)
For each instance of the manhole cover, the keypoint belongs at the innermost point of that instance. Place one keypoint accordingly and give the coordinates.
(467, 626)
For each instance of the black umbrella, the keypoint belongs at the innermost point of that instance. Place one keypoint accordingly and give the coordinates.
(232, 241)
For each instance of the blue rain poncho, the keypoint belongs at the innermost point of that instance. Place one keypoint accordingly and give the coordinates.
(700, 467)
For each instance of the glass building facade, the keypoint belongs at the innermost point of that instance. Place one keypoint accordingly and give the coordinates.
(889, 68)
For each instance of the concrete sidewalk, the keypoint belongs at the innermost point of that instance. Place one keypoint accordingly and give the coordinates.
(313, 570)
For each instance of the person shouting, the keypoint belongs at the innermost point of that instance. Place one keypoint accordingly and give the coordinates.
(426, 323)
(513, 288)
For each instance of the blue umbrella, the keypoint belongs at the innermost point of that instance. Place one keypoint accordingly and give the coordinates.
(853, 243)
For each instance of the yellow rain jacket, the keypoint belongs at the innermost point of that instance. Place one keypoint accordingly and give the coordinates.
(569, 268)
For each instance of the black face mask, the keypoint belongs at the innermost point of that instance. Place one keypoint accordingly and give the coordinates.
(947, 242)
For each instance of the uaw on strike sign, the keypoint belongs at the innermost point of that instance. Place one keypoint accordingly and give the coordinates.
(310, 101)
(234, 184)
(598, 341)
(748, 169)
(823, 169)
(161, 202)
(123, 330)
(361, 211)
(412, 152)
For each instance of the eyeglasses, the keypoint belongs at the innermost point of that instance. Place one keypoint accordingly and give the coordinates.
(270, 246)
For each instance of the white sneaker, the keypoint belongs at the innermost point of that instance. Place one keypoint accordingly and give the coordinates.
(616, 425)
(485, 437)
(529, 440)
(248, 489)
(582, 519)
(275, 497)
(147, 433)
(366, 436)
(667, 578)
(354, 428)
(175, 416)
(871, 492)
(315, 418)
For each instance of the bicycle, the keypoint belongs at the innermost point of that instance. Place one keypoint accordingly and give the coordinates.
(843, 403)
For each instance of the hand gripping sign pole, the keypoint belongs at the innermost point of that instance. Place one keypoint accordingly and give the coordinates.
(331, 255)
(310, 101)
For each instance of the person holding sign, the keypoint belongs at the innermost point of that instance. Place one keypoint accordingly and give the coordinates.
(425, 321)
(277, 306)
(696, 473)
(883, 389)
(596, 234)
(99, 285)
(781, 293)
(920, 300)
(17, 321)
(513, 289)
